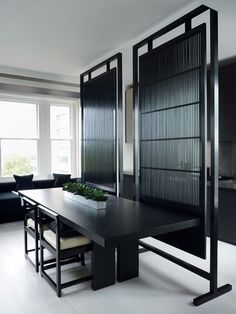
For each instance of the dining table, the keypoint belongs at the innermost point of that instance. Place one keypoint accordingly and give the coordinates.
(114, 231)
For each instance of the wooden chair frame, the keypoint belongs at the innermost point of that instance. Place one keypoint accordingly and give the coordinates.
(61, 257)
(34, 233)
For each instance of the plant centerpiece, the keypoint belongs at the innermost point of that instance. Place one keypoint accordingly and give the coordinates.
(86, 195)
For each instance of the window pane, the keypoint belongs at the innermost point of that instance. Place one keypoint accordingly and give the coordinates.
(18, 120)
(60, 122)
(61, 157)
(18, 157)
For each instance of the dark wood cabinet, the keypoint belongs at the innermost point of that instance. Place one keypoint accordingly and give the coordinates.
(227, 216)
(227, 102)
(128, 186)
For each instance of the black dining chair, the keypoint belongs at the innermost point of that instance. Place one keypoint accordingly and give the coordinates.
(31, 228)
(66, 246)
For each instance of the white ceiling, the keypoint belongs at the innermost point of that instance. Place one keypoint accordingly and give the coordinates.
(61, 37)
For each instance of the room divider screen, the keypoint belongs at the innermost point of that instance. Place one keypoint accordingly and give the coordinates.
(101, 88)
(170, 134)
(172, 130)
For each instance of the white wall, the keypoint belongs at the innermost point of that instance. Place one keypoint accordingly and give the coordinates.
(227, 48)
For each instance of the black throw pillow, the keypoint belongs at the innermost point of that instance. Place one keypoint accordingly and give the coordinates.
(23, 182)
(65, 230)
(60, 179)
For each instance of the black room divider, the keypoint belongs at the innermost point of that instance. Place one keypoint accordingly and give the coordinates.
(170, 135)
(172, 131)
(101, 98)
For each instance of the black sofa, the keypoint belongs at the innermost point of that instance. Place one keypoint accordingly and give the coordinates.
(10, 202)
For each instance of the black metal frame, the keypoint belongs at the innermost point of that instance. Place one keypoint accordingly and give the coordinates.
(118, 122)
(61, 257)
(186, 20)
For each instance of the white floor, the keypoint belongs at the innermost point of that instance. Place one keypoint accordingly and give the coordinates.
(162, 286)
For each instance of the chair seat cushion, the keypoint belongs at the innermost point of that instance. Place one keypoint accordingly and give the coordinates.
(31, 224)
(66, 243)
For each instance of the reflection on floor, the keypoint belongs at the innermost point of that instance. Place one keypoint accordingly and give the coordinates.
(162, 287)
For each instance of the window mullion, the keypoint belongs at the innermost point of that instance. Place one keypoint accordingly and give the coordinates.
(44, 140)
(0, 158)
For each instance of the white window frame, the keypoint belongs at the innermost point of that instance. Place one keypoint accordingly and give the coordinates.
(23, 101)
(43, 136)
(72, 137)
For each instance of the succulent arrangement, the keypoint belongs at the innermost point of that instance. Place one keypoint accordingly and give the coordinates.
(94, 194)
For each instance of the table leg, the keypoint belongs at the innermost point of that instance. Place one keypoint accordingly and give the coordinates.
(127, 260)
(103, 266)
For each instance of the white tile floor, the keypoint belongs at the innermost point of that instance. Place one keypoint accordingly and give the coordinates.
(162, 286)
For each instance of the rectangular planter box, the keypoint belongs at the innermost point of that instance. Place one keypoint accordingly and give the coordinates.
(84, 201)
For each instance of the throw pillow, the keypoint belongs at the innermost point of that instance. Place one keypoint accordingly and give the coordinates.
(23, 182)
(60, 179)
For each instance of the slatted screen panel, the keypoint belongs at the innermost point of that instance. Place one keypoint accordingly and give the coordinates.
(99, 137)
(171, 104)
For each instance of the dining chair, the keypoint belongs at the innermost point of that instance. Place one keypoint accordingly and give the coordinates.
(66, 246)
(31, 227)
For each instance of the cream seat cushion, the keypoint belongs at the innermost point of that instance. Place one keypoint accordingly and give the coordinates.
(66, 243)
(31, 224)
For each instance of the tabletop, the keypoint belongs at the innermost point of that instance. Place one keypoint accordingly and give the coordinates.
(122, 220)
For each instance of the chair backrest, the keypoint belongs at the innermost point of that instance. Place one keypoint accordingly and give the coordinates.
(45, 212)
(30, 206)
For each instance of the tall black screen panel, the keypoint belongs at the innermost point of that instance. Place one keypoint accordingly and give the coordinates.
(172, 131)
(99, 130)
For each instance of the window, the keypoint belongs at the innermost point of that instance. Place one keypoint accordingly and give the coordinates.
(38, 136)
(60, 129)
(18, 138)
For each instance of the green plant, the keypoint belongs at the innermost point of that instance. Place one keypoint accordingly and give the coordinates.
(16, 164)
(97, 195)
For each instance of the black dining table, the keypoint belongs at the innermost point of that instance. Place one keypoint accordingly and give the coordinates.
(119, 226)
